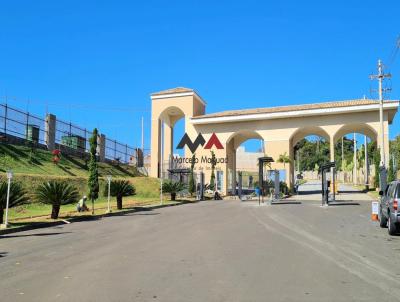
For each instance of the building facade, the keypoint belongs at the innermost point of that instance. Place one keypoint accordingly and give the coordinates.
(279, 127)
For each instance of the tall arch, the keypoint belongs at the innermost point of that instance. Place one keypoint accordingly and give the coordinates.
(361, 173)
(232, 143)
(356, 128)
(168, 107)
(301, 133)
(296, 137)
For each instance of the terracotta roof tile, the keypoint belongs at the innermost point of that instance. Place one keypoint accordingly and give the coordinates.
(347, 103)
(173, 90)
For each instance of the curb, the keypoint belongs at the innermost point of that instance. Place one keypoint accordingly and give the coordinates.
(87, 218)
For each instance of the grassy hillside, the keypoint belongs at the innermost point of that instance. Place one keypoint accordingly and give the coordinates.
(23, 160)
(33, 167)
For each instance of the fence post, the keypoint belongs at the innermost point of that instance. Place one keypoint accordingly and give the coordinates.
(115, 149)
(101, 147)
(5, 120)
(27, 125)
(126, 154)
(50, 131)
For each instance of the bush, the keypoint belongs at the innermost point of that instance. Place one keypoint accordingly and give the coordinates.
(56, 193)
(119, 189)
(17, 196)
(283, 187)
(173, 187)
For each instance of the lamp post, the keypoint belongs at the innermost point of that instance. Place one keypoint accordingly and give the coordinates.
(109, 191)
(9, 177)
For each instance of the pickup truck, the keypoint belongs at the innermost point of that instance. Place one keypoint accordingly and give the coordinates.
(389, 215)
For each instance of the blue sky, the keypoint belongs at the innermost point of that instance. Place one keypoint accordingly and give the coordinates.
(110, 55)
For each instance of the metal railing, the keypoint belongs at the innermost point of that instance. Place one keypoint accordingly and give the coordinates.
(19, 127)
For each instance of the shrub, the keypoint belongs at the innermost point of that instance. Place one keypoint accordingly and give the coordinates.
(119, 189)
(173, 187)
(17, 196)
(56, 193)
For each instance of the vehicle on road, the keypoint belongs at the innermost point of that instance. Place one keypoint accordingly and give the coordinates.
(389, 216)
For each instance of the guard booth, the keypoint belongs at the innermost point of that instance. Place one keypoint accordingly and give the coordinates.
(180, 175)
(328, 167)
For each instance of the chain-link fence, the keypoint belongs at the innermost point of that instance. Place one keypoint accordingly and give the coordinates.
(19, 127)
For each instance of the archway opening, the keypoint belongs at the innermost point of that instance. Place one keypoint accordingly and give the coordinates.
(244, 149)
(357, 156)
(310, 153)
(172, 127)
(311, 150)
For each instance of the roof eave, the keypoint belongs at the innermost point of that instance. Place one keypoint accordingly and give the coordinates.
(296, 113)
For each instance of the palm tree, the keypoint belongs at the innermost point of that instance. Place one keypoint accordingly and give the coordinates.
(17, 196)
(284, 159)
(119, 189)
(173, 187)
(56, 193)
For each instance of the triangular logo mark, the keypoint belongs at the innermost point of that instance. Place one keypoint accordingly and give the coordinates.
(191, 145)
(213, 141)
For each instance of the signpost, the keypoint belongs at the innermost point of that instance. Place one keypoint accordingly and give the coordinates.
(9, 177)
(375, 211)
(109, 191)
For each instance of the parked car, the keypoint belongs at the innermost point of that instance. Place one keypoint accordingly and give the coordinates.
(389, 215)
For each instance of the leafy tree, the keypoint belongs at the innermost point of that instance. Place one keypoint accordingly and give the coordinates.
(192, 185)
(213, 164)
(173, 187)
(56, 193)
(395, 153)
(93, 181)
(119, 189)
(377, 160)
(391, 175)
(284, 159)
(17, 196)
(312, 153)
(348, 147)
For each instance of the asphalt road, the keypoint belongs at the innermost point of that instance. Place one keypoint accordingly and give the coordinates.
(315, 186)
(209, 251)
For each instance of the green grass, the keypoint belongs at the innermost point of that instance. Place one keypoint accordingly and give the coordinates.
(39, 213)
(33, 167)
(39, 210)
(24, 160)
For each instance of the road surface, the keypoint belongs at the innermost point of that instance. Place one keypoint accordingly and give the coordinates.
(209, 251)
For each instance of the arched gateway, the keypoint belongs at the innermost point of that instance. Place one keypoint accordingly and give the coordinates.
(280, 128)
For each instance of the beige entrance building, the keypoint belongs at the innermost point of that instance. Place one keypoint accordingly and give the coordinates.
(279, 127)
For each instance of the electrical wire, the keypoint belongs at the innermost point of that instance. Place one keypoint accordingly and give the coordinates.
(75, 105)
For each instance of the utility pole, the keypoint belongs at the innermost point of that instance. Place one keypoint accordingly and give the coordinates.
(342, 155)
(142, 135)
(381, 76)
(366, 162)
(355, 160)
(298, 161)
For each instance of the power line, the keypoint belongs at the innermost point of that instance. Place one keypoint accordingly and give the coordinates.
(75, 105)
(394, 52)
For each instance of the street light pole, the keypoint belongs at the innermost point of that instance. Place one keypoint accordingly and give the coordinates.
(9, 177)
(109, 191)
